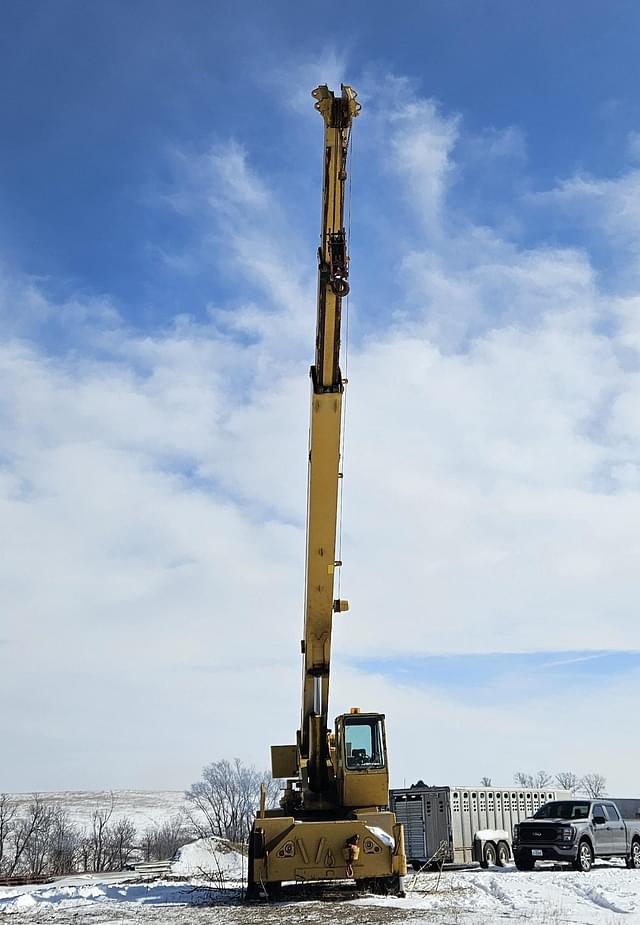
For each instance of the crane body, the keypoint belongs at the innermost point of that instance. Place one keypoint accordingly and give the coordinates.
(333, 821)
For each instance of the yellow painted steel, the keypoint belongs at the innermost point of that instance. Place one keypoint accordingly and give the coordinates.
(325, 429)
(303, 851)
(333, 822)
(324, 459)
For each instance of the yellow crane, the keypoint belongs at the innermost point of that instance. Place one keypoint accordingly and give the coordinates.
(333, 822)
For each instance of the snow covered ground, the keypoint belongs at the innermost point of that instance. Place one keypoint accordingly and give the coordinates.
(144, 807)
(606, 895)
(544, 897)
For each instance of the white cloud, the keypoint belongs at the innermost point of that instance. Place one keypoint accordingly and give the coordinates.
(153, 484)
(295, 82)
(608, 214)
(421, 146)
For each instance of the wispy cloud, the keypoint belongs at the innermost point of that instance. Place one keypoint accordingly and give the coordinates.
(559, 662)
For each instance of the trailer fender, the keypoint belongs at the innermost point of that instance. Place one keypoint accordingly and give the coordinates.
(483, 837)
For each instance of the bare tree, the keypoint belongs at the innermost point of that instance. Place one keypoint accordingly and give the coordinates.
(542, 780)
(160, 842)
(64, 850)
(567, 780)
(119, 844)
(147, 842)
(38, 846)
(171, 835)
(537, 781)
(523, 780)
(44, 841)
(85, 852)
(485, 782)
(594, 785)
(8, 810)
(99, 832)
(27, 836)
(225, 801)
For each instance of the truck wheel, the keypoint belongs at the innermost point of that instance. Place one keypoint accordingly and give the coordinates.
(633, 859)
(504, 854)
(584, 859)
(488, 855)
(524, 863)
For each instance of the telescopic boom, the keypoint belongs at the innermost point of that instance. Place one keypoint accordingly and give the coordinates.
(326, 422)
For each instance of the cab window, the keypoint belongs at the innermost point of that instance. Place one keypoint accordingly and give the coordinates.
(563, 809)
(363, 744)
(612, 812)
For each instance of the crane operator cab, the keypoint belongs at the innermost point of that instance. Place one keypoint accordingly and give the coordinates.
(361, 759)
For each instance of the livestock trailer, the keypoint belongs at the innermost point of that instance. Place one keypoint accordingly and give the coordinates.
(460, 825)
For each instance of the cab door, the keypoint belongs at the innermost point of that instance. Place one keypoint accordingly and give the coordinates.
(363, 776)
(601, 831)
(617, 830)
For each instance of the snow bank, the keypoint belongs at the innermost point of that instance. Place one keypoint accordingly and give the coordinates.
(211, 858)
(47, 902)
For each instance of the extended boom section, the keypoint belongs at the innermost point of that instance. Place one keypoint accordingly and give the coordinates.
(333, 822)
(324, 438)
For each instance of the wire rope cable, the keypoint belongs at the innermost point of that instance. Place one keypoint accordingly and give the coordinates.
(346, 365)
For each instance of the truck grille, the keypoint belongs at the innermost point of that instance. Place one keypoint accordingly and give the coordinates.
(532, 834)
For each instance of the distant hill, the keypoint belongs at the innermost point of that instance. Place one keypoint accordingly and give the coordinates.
(145, 808)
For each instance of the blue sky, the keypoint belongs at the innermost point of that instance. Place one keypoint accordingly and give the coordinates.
(103, 93)
(159, 202)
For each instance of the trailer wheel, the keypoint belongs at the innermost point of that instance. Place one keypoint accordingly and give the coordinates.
(584, 859)
(504, 855)
(489, 855)
(633, 859)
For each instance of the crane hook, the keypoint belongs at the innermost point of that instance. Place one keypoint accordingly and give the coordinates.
(339, 286)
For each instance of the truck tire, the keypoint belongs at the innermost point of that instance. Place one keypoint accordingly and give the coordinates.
(504, 855)
(633, 859)
(524, 863)
(489, 855)
(584, 857)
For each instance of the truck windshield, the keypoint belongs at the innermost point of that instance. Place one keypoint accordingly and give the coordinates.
(363, 743)
(564, 809)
